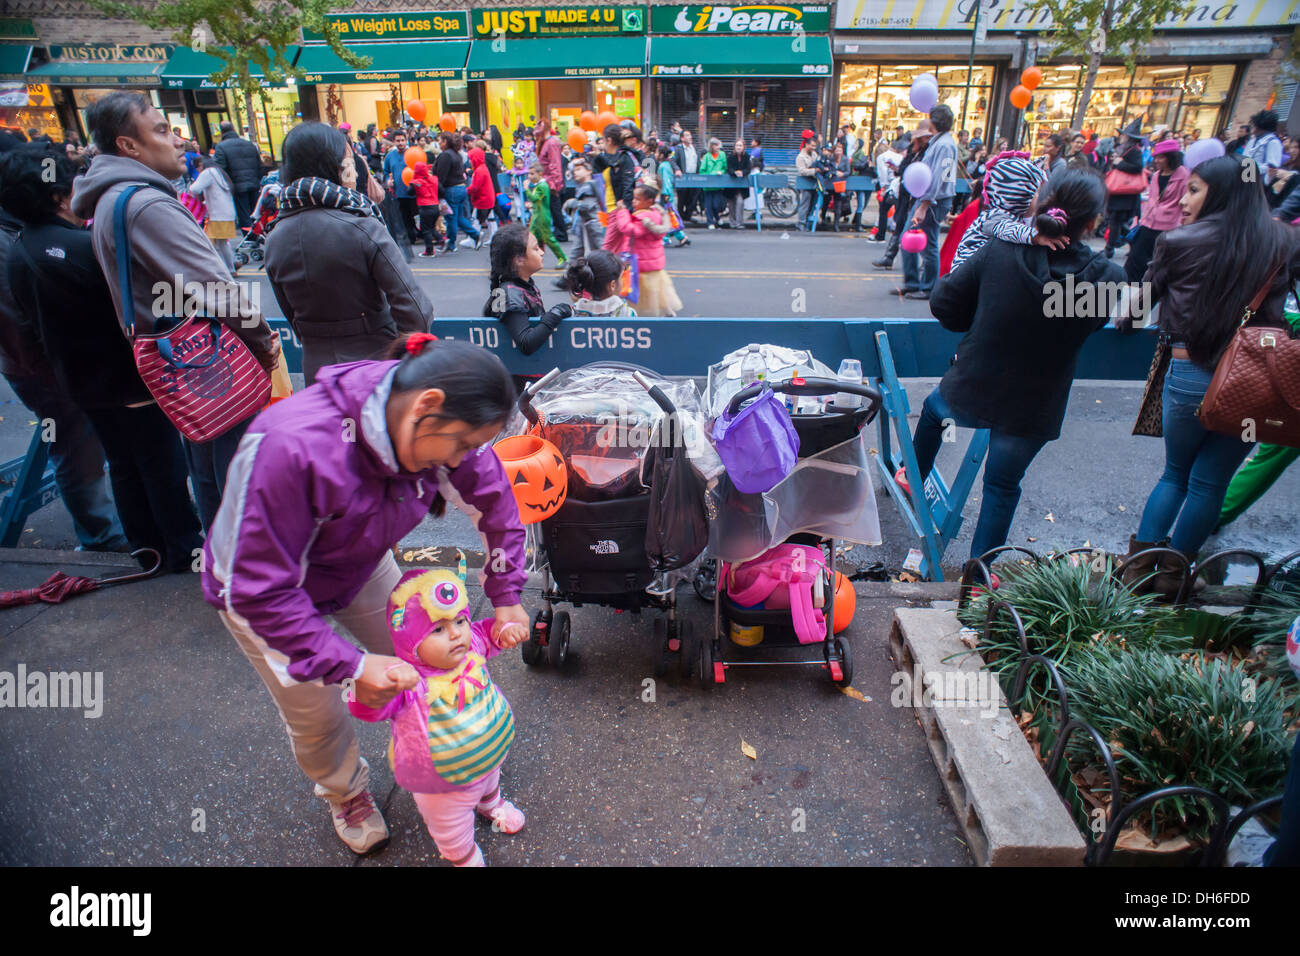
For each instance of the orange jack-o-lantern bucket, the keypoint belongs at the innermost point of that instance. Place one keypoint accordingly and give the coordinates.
(535, 469)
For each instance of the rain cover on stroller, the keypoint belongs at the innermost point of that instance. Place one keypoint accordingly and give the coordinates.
(603, 423)
(829, 492)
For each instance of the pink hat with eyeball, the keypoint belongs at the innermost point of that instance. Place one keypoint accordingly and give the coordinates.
(1165, 146)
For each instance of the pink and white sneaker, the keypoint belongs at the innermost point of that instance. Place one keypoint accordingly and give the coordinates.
(505, 816)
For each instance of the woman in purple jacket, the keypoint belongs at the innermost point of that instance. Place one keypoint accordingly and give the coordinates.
(322, 488)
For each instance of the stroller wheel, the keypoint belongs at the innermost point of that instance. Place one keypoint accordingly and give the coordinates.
(686, 649)
(845, 662)
(661, 651)
(705, 581)
(557, 646)
(531, 649)
(705, 659)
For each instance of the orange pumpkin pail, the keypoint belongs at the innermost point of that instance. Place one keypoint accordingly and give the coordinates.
(537, 475)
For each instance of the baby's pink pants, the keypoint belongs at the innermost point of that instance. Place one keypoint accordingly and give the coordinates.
(450, 816)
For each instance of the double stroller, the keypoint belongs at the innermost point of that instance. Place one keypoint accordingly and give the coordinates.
(633, 518)
(771, 569)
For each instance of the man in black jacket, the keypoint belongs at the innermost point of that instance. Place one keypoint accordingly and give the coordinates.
(621, 163)
(686, 159)
(243, 164)
(26, 227)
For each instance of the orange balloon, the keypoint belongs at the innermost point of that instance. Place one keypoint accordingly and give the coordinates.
(1031, 78)
(447, 123)
(606, 119)
(1020, 97)
(577, 140)
(587, 120)
(846, 602)
(414, 155)
(407, 175)
(416, 110)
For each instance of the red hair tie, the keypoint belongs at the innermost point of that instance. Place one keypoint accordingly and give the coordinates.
(416, 341)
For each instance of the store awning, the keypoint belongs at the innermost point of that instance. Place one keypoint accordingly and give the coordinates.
(739, 56)
(558, 58)
(80, 73)
(13, 61)
(190, 70)
(389, 62)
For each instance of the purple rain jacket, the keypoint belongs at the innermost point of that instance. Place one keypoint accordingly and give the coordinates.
(315, 497)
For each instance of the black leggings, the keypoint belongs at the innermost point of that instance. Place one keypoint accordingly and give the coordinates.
(1119, 220)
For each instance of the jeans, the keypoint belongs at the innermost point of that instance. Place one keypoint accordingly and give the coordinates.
(921, 269)
(78, 461)
(146, 464)
(1008, 460)
(408, 209)
(1199, 464)
(805, 207)
(458, 200)
(208, 463)
(1285, 850)
(245, 203)
(714, 202)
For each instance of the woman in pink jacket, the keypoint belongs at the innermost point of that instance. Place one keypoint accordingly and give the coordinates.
(641, 232)
(1162, 210)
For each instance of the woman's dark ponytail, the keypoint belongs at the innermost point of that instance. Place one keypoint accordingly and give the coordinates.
(479, 390)
(1069, 208)
(591, 275)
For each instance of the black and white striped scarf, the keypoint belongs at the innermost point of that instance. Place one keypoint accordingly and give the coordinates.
(314, 191)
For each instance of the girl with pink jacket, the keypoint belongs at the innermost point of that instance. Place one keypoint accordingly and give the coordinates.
(641, 232)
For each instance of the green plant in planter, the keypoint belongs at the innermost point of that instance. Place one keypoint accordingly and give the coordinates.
(1065, 608)
(1268, 626)
(1174, 719)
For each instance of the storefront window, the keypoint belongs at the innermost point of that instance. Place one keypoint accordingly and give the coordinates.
(509, 103)
(879, 95)
(620, 96)
(24, 107)
(777, 112)
(1204, 92)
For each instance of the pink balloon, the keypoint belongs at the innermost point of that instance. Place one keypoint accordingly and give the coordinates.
(912, 241)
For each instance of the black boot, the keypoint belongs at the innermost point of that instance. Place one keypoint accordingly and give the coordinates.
(857, 222)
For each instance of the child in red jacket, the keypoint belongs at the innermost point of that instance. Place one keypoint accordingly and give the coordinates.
(481, 194)
(426, 202)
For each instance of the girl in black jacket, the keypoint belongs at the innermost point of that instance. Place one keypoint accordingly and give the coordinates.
(1015, 364)
(515, 299)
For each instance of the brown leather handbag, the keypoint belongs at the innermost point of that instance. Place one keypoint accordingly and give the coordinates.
(1255, 392)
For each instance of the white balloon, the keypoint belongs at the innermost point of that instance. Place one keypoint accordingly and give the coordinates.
(916, 178)
(923, 96)
(928, 78)
(1202, 150)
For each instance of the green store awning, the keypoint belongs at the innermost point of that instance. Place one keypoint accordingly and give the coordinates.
(79, 73)
(558, 58)
(389, 62)
(190, 70)
(13, 61)
(739, 56)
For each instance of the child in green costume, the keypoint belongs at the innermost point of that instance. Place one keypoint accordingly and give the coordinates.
(538, 195)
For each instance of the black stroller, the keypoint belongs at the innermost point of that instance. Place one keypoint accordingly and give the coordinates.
(595, 544)
(743, 520)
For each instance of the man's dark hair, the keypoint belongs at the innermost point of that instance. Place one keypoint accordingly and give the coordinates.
(1265, 120)
(26, 190)
(614, 133)
(227, 127)
(117, 114)
(942, 118)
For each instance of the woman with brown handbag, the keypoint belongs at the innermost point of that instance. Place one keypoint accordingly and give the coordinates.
(1205, 274)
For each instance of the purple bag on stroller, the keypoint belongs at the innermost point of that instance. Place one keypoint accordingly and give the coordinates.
(758, 445)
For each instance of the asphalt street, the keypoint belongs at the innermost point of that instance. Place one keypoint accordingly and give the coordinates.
(1087, 487)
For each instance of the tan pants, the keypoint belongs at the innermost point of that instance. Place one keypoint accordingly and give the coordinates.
(319, 725)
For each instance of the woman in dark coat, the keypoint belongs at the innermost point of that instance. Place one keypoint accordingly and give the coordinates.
(739, 165)
(336, 272)
(1127, 158)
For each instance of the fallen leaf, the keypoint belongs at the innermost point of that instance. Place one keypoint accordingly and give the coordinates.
(1051, 517)
(855, 694)
(1031, 540)
(1245, 731)
(1097, 400)
(1122, 508)
(747, 750)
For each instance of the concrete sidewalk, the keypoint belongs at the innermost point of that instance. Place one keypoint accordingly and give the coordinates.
(605, 778)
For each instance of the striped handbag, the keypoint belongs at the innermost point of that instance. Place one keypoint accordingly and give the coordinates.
(202, 375)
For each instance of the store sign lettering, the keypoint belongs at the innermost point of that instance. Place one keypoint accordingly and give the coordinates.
(558, 21)
(114, 53)
(408, 26)
(743, 18)
(1009, 15)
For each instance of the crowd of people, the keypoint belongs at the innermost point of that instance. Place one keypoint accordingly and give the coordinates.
(288, 524)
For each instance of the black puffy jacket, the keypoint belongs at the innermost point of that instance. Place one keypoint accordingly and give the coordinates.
(241, 161)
